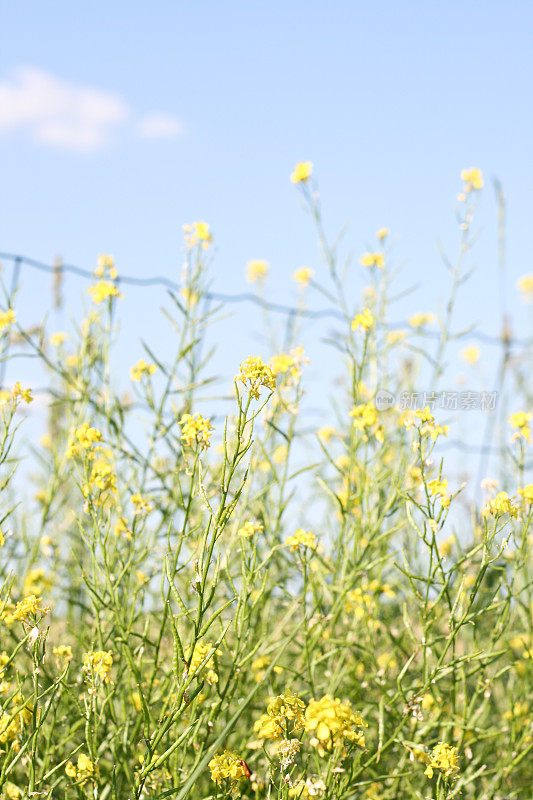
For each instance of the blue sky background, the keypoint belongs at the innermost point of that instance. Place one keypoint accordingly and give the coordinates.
(389, 100)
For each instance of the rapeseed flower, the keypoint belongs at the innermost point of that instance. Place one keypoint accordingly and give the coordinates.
(302, 276)
(7, 318)
(195, 431)
(520, 422)
(102, 290)
(254, 374)
(140, 369)
(473, 179)
(256, 270)
(443, 758)
(301, 538)
(227, 766)
(332, 722)
(373, 260)
(302, 172)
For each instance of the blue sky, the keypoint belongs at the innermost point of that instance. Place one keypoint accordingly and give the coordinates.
(200, 110)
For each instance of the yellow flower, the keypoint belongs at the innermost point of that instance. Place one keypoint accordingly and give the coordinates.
(28, 608)
(102, 290)
(104, 262)
(97, 664)
(140, 369)
(439, 488)
(7, 318)
(525, 285)
(84, 437)
(303, 276)
(502, 504)
(256, 270)
(302, 172)
(227, 766)
(333, 722)
(142, 504)
(201, 651)
(373, 260)
(301, 538)
(121, 526)
(326, 433)
(470, 354)
(393, 337)
(2, 539)
(364, 320)
(195, 431)
(527, 493)
(249, 529)
(429, 426)
(83, 771)
(255, 374)
(473, 178)
(198, 233)
(444, 758)
(190, 297)
(12, 791)
(23, 394)
(382, 233)
(63, 653)
(420, 318)
(364, 415)
(36, 582)
(102, 478)
(520, 421)
(57, 339)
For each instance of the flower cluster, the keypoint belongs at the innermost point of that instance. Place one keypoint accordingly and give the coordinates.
(501, 504)
(102, 290)
(443, 758)
(302, 276)
(284, 717)
(198, 233)
(7, 318)
(256, 270)
(106, 263)
(200, 653)
(227, 766)
(420, 318)
(249, 529)
(140, 369)
(29, 609)
(364, 320)
(195, 431)
(302, 172)
(83, 771)
(473, 179)
(97, 666)
(289, 364)
(85, 438)
(373, 260)
(332, 722)
(301, 538)
(254, 374)
(439, 488)
(520, 422)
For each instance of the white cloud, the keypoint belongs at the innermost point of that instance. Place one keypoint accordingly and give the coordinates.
(160, 126)
(54, 112)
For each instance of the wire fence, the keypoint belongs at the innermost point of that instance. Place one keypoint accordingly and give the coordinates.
(56, 270)
(505, 340)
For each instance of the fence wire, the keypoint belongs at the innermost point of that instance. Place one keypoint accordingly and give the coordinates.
(56, 270)
(19, 261)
